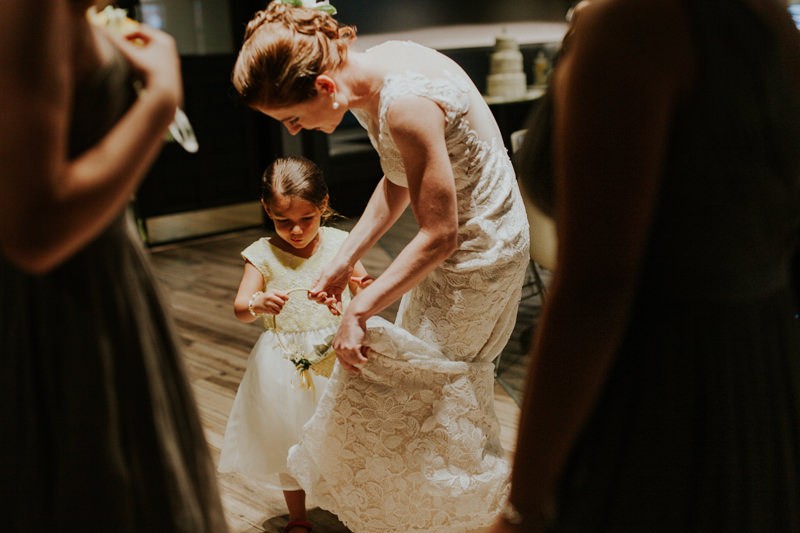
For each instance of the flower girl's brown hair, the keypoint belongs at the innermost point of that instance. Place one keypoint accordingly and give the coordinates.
(296, 176)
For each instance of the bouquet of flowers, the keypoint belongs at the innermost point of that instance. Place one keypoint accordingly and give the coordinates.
(320, 361)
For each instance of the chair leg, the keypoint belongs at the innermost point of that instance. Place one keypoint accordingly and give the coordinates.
(541, 289)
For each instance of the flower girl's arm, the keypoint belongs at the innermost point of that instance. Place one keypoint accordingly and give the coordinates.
(360, 279)
(254, 298)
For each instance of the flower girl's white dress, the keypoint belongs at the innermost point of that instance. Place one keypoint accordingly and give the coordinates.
(272, 404)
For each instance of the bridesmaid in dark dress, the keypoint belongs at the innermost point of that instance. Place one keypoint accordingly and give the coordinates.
(664, 389)
(101, 432)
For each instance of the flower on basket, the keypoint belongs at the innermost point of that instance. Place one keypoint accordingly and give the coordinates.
(321, 362)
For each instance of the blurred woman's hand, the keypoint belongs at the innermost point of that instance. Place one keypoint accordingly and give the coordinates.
(153, 55)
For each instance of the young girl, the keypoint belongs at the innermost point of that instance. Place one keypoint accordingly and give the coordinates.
(277, 396)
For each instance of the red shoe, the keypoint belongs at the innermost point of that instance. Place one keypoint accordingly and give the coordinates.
(298, 523)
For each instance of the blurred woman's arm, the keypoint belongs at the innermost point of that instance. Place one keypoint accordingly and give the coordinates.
(55, 205)
(616, 90)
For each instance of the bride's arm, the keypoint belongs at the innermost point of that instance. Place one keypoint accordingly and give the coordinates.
(417, 128)
(54, 206)
(387, 203)
(385, 206)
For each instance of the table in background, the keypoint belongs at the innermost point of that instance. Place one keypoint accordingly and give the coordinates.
(512, 113)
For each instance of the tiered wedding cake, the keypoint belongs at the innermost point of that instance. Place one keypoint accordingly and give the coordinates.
(506, 77)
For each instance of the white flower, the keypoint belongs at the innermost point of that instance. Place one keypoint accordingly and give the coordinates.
(323, 5)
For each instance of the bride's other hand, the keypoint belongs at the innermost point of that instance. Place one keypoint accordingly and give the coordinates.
(349, 343)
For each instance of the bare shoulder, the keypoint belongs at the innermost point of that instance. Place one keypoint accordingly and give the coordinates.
(414, 116)
(408, 56)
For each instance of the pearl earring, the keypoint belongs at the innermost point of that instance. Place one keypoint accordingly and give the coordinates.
(335, 105)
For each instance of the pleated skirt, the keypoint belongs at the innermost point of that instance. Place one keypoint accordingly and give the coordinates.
(698, 426)
(101, 432)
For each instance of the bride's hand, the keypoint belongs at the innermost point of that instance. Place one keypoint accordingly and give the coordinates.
(328, 289)
(349, 343)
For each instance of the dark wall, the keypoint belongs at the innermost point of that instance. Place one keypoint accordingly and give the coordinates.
(379, 16)
(234, 144)
(371, 16)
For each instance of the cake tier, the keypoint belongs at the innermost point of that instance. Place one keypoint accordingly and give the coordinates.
(506, 85)
(504, 63)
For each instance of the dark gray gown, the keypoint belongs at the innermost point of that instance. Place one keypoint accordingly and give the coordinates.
(698, 425)
(101, 432)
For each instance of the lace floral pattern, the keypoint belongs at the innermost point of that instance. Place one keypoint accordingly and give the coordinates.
(421, 450)
(412, 444)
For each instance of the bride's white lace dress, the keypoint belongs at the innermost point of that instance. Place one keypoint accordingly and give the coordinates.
(412, 443)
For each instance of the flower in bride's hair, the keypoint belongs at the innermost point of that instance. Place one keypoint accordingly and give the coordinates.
(322, 5)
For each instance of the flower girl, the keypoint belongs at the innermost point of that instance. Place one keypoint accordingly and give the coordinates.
(288, 367)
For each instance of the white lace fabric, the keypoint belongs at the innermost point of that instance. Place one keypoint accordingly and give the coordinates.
(412, 443)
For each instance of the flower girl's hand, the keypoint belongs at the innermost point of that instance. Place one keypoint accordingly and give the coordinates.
(271, 302)
(348, 343)
(363, 281)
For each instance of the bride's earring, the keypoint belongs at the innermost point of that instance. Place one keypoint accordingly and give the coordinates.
(335, 103)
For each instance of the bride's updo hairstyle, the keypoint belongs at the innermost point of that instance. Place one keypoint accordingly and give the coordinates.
(285, 48)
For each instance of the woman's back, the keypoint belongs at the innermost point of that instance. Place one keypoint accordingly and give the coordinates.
(695, 426)
(729, 213)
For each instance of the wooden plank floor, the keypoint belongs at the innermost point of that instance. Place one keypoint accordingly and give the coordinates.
(200, 279)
